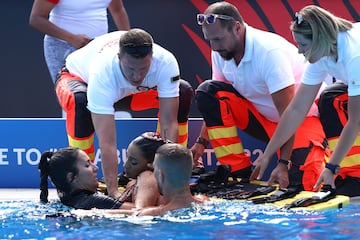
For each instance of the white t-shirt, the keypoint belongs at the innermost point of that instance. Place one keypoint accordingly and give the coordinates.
(347, 68)
(270, 63)
(97, 64)
(81, 17)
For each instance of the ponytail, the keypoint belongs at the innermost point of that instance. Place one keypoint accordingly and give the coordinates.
(44, 174)
(56, 166)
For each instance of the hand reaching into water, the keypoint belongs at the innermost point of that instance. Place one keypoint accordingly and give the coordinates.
(197, 151)
(278, 175)
(326, 177)
(261, 164)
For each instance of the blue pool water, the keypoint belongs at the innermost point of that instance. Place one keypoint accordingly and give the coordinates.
(220, 220)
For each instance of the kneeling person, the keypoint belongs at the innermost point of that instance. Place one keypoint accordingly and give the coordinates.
(123, 70)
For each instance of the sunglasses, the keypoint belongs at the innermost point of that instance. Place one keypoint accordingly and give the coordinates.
(211, 18)
(145, 88)
(138, 50)
(299, 19)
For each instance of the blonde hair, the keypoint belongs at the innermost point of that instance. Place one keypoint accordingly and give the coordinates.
(320, 26)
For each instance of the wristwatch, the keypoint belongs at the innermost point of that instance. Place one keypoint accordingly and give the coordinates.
(335, 169)
(202, 141)
(287, 163)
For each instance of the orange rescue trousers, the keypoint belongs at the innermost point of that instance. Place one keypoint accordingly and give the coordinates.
(71, 92)
(225, 110)
(333, 108)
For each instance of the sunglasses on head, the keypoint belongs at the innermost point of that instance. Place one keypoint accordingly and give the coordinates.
(138, 50)
(211, 18)
(145, 88)
(299, 19)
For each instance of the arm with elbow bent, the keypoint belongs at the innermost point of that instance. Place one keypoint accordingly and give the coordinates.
(168, 118)
(290, 120)
(39, 20)
(105, 129)
(346, 140)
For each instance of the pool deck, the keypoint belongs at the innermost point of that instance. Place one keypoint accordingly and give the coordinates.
(24, 194)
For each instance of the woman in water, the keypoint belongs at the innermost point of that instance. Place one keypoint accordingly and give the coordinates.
(75, 179)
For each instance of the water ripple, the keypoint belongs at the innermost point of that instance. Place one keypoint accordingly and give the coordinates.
(213, 220)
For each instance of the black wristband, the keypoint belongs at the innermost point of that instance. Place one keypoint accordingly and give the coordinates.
(287, 163)
(202, 141)
(335, 169)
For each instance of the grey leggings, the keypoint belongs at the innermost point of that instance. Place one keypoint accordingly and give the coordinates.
(55, 52)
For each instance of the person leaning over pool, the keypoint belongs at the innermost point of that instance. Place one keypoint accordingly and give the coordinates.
(255, 74)
(122, 70)
(75, 179)
(332, 46)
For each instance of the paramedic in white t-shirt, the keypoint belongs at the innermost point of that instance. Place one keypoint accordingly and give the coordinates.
(122, 69)
(336, 52)
(254, 77)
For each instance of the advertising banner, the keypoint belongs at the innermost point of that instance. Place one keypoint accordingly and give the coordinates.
(23, 140)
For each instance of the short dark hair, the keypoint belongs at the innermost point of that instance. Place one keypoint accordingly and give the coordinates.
(225, 8)
(136, 42)
(176, 160)
(148, 143)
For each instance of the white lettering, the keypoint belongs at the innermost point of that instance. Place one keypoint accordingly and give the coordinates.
(3, 156)
(123, 155)
(208, 153)
(247, 152)
(19, 152)
(257, 152)
(32, 156)
(35, 152)
(98, 156)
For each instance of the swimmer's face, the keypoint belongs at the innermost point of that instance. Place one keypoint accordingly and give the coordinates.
(135, 163)
(86, 178)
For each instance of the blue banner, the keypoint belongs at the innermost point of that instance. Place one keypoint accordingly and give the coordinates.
(23, 140)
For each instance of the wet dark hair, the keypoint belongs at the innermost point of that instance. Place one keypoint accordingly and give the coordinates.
(57, 165)
(148, 143)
